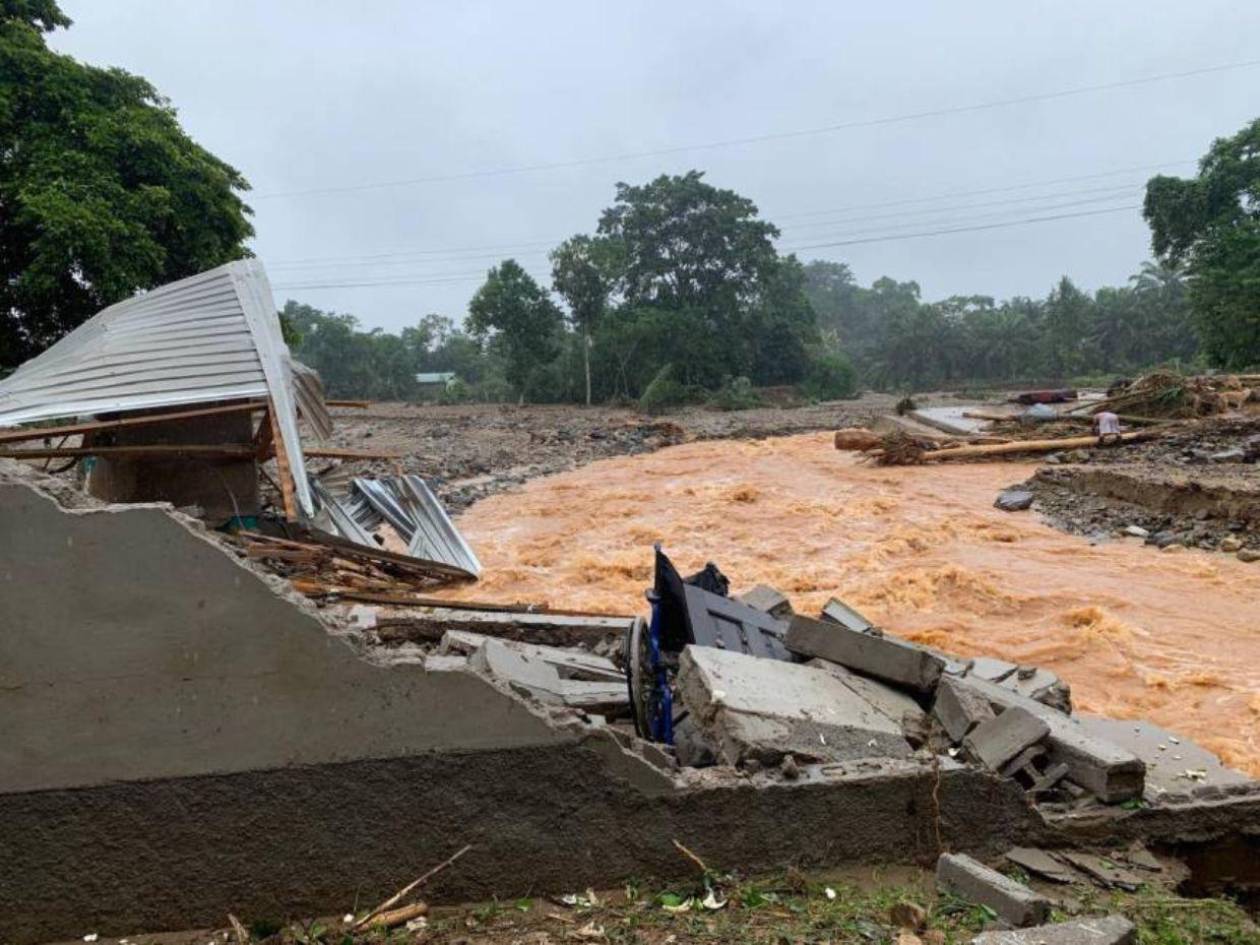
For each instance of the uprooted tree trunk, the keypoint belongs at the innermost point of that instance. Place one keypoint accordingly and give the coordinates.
(1037, 446)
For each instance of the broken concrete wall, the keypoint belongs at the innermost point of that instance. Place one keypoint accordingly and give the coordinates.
(135, 647)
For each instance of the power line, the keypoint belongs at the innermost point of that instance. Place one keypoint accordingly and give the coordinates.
(499, 250)
(468, 277)
(965, 229)
(771, 136)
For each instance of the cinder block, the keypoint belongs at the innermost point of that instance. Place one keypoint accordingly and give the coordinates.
(1102, 767)
(998, 740)
(883, 657)
(766, 598)
(970, 879)
(959, 709)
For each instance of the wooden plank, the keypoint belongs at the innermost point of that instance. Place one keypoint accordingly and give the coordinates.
(287, 498)
(98, 426)
(157, 451)
(332, 452)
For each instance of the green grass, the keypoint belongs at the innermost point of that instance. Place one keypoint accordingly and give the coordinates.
(792, 908)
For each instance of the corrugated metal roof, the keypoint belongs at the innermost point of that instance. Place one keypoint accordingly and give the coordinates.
(437, 377)
(410, 508)
(212, 336)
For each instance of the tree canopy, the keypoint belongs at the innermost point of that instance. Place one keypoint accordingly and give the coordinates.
(101, 192)
(1211, 226)
(512, 305)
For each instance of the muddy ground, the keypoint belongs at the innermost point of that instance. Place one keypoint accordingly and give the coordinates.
(1198, 487)
(476, 450)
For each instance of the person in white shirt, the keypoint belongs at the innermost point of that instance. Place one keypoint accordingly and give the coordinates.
(1108, 426)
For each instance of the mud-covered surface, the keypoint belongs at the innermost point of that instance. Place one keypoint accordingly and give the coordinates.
(472, 451)
(1199, 487)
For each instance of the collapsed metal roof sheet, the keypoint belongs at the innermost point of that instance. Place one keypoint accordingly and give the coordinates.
(210, 337)
(411, 509)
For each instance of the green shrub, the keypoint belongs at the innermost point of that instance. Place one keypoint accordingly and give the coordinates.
(664, 391)
(736, 394)
(456, 392)
(830, 377)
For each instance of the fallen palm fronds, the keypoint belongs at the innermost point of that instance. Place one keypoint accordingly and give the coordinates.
(1169, 395)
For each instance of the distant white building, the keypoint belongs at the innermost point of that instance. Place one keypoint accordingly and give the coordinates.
(436, 379)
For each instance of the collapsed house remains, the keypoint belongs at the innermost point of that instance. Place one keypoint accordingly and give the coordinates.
(183, 732)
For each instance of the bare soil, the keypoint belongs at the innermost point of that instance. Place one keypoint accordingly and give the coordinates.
(1181, 488)
(476, 450)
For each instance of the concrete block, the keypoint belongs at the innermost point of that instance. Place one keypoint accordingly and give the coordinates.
(893, 703)
(1100, 930)
(883, 657)
(1031, 681)
(999, 740)
(1102, 767)
(766, 598)
(970, 879)
(837, 611)
(569, 663)
(759, 709)
(1177, 770)
(959, 709)
(497, 659)
(1033, 860)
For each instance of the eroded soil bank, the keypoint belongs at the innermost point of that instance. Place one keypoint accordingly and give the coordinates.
(1173, 637)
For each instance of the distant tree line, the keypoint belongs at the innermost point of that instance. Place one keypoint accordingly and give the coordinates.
(680, 295)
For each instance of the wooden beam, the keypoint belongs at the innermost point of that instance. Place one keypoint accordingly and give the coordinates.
(99, 426)
(332, 452)
(356, 404)
(1037, 446)
(287, 498)
(157, 451)
(263, 442)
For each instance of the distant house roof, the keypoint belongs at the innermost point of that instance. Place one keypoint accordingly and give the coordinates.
(437, 377)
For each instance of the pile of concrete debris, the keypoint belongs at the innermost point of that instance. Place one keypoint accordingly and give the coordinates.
(745, 683)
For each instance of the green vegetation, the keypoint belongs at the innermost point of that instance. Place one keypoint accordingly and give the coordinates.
(787, 908)
(101, 192)
(680, 297)
(1211, 225)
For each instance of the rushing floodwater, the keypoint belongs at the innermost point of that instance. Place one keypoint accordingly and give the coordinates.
(1173, 637)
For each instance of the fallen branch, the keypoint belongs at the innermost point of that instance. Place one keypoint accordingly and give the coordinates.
(242, 935)
(408, 889)
(394, 917)
(1036, 446)
(691, 856)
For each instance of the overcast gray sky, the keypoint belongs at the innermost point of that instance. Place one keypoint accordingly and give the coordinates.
(315, 95)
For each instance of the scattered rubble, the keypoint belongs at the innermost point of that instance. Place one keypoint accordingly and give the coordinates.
(1013, 902)
(1105, 930)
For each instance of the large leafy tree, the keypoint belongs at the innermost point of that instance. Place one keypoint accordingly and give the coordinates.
(101, 191)
(1211, 225)
(524, 320)
(702, 253)
(581, 275)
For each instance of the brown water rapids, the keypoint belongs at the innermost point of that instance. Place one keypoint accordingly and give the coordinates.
(1169, 636)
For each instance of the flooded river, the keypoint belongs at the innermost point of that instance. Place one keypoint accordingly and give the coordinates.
(1169, 636)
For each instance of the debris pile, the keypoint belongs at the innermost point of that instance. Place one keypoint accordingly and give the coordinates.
(747, 684)
(1167, 394)
(171, 382)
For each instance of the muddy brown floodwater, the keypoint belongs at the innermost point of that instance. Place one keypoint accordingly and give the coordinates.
(1169, 636)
